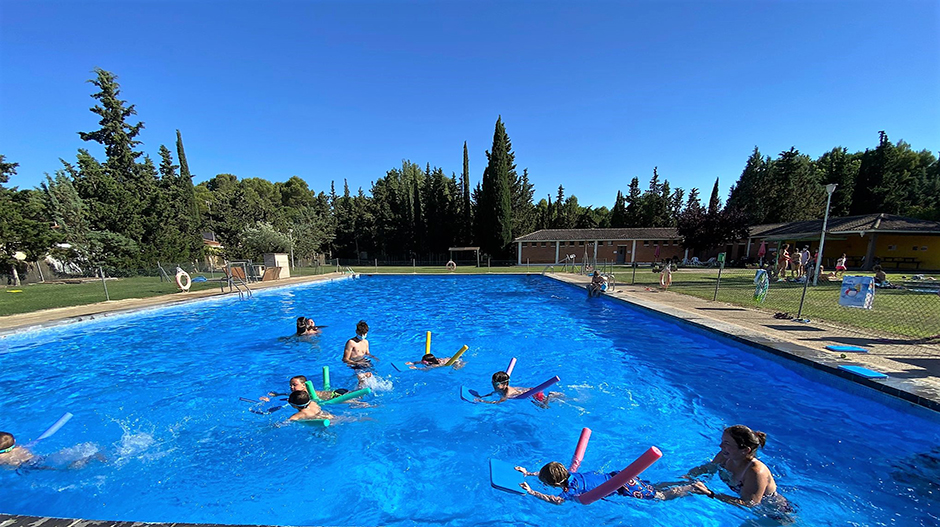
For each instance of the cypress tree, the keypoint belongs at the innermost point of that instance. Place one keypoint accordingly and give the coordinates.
(466, 208)
(495, 206)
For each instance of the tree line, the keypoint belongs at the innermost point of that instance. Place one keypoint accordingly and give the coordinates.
(129, 211)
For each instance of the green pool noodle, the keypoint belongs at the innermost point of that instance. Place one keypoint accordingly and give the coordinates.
(347, 396)
(326, 378)
(317, 422)
(456, 356)
(312, 392)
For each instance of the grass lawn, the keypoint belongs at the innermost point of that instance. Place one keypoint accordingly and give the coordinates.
(47, 296)
(894, 311)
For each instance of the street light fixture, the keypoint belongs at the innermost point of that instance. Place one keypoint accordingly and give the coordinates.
(830, 188)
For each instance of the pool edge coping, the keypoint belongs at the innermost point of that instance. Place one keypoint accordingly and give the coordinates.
(899, 388)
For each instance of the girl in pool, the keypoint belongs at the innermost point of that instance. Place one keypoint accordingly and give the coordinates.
(501, 386)
(737, 465)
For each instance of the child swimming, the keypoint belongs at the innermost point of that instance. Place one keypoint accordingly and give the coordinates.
(11, 454)
(299, 382)
(306, 408)
(555, 474)
(501, 386)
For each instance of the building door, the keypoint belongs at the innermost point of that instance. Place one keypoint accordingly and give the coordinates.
(621, 254)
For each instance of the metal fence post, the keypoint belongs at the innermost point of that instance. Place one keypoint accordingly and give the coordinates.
(106, 295)
(633, 280)
(799, 313)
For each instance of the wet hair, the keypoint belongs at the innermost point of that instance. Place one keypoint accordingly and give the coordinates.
(500, 377)
(430, 359)
(302, 378)
(301, 325)
(362, 328)
(6, 440)
(554, 474)
(744, 437)
(299, 398)
(877, 268)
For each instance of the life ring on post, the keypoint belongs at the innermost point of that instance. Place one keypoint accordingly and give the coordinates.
(451, 266)
(183, 281)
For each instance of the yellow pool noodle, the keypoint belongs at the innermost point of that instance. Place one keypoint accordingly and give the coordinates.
(427, 344)
(456, 356)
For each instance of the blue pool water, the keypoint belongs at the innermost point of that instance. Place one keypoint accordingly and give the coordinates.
(156, 392)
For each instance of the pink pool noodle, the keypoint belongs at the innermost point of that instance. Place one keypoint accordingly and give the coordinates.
(633, 470)
(512, 364)
(579, 450)
(538, 388)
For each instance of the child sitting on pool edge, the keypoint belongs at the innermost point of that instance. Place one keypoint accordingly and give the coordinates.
(501, 386)
(555, 474)
(306, 408)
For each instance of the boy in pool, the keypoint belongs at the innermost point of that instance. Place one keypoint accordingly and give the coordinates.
(19, 457)
(12, 455)
(501, 386)
(356, 353)
(306, 408)
(299, 382)
(429, 361)
(555, 474)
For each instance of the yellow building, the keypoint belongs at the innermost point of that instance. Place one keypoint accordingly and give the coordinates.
(896, 242)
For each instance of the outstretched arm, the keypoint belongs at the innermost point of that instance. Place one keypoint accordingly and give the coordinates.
(526, 472)
(557, 500)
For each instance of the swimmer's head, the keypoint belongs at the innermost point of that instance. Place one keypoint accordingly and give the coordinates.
(430, 359)
(554, 474)
(500, 378)
(299, 399)
(597, 273)
(362, 329)
(301, 324)
(311, 324)
(363, 375)
(298, 383)
(7, 441)
(745, 438)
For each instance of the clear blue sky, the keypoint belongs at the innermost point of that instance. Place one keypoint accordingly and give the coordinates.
(592, 94)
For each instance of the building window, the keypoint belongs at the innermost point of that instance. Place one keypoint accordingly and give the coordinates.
(895, 247)
(581, 243)
(544, 244)
(610, 242)
(646, 243)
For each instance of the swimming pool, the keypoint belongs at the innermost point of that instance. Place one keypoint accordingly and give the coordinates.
(157, 393)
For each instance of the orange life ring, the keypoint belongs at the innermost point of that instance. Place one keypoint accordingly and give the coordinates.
(665, 279)
(451, 266)
(183, 276)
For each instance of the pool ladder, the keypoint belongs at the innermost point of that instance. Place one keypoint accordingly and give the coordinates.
(237, 284)
(349, 270)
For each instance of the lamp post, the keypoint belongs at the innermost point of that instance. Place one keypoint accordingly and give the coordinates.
(830, 188)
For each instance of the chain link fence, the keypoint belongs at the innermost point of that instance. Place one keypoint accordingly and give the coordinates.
(903, 322)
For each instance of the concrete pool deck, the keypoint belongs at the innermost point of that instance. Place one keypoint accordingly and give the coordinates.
(916, 380)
